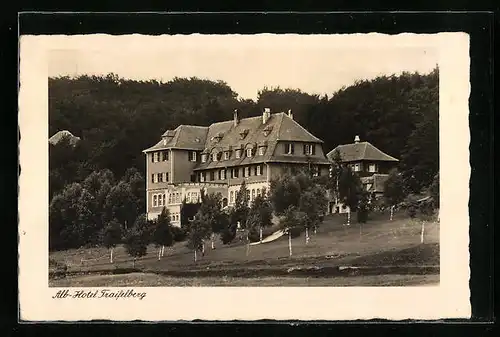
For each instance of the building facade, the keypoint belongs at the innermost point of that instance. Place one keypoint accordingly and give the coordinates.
(369, 163)
(219, 157)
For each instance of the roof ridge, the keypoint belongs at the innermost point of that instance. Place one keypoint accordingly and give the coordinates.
(303, 128)
(364, 150)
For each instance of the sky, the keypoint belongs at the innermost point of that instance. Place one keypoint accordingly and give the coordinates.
(317, 64)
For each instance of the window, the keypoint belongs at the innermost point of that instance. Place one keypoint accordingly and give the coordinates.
(309, 149)
(253, 194)
(192, 156)
(315, 171)
(249, 153)
(195, 197)
(356, 167)
(262, 149)
(188, 197)
(202, 177)
(259, 170)
(155, 200)
(238, 153)
(166, 177)
(153, 178)
(249, 171)
(258, 191)
(226, 155)
(163, 200)
(152, 157)
(231, 197)
(212, 176)
(159, 177)
(170, 198)
(222, 174)
(204, 158)
(164, 155)
(214, 156)
(372, 168)
(289, 148)
(235, 172)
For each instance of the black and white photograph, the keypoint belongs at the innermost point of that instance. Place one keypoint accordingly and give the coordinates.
(269, 161)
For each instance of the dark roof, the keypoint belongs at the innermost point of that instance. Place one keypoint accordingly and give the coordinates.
(360, 151)
(226, 136)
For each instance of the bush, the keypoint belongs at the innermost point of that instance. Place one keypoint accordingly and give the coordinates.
(178, 233)
(362, 215)
(228, 234)
(412, 210)
(295, 231)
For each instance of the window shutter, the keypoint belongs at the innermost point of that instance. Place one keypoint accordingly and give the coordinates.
(305, 148)
(313, 149)
(153, 178)
(152, 157)
(292, 145)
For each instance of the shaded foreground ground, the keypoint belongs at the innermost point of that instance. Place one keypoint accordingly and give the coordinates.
(154, 280)
(382, 252)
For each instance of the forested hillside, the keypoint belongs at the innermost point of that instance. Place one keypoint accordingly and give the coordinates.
(117, 118)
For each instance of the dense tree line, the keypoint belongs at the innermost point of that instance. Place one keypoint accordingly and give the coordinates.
(117, 118)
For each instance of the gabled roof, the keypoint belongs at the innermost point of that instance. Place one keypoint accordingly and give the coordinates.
(226, 136)
(360, 151)
(189, 137)
(58, 136)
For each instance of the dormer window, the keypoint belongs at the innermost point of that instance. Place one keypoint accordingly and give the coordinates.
(289, 148)
(249, 153)
(192, 156)
(267, 130)
(214, 156)
(226, 155)
(262, 149)
(243, 134)
(238, 153)
(218, 136)
(204, 158)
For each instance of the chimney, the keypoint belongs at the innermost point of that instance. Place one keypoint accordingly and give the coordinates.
(265, 115)
(290, 113)
(356, 139)
(235, 117)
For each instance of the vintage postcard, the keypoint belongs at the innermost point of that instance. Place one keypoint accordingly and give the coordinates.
(244, 177)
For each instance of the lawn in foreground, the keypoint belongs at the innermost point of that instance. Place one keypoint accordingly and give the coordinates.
(332, 239)
(153, 280)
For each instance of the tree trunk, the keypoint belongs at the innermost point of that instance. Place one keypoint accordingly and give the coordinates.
(422, 233)
(162, 250)
(195, 255)
(213, 243)
(307, 235)
(290, 242)
(111, 255)
(260, 234)
(392, 211)
(133, 263)
(203, 249)
(315, 229)
(349, 217)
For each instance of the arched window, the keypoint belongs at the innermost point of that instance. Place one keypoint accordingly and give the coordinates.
(253, 194)
(258, 191)
(231, 196)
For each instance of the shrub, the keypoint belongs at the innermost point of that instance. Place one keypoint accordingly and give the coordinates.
(412, 210)
(296, 231)
(228, 234)
(178, 233)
